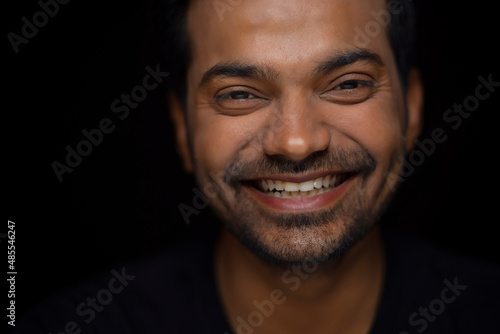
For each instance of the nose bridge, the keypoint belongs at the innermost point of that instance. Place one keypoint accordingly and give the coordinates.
(296, 129)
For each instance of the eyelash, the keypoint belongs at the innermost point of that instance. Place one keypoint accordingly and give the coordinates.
(357, 82)
(226, 96)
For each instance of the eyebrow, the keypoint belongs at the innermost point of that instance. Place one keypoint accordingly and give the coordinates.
(239, 69)
(347, 58)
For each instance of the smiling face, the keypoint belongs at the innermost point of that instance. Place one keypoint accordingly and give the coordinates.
(290, 127)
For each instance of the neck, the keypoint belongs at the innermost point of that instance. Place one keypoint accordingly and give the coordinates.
(341, 294)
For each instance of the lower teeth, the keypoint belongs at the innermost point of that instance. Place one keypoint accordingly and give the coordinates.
(295, 194)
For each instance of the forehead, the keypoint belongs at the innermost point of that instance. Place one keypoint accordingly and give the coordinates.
(282, 33)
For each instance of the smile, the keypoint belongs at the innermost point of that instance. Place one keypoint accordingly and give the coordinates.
(313, 187)
(304, 193)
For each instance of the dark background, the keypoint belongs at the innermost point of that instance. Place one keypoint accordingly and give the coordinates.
(121, 202)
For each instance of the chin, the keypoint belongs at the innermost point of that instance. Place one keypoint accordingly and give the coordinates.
(297, 238)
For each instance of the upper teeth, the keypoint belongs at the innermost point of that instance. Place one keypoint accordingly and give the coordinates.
(320, 182)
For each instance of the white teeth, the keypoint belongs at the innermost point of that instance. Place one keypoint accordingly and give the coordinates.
(326, 180)
(306, 186)
(318, 183)
(282, 189)
(291, 186)
(332, 180)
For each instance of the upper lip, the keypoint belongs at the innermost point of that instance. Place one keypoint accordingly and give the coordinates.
(299, 178)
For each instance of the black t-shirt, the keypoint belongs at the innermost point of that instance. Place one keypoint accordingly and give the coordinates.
(426, 290)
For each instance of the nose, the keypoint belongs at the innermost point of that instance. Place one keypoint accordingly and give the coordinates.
(296, 130)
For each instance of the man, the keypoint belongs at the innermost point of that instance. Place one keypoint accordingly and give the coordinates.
(293, 124)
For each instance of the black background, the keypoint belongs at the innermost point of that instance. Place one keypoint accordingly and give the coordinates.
(121, 202)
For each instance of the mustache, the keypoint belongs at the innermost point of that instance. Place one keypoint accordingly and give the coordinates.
(337, 159)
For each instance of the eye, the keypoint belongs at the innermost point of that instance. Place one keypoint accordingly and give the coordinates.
(350, 89)
(236, 95)
(238, 100)
(352, 84)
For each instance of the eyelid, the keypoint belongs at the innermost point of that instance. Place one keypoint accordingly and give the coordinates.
(334, 94)
(238, 88)
(355, 76)
(222, 97)
(224, 104)
(362, 82)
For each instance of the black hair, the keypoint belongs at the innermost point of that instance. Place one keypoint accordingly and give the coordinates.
(169, 20)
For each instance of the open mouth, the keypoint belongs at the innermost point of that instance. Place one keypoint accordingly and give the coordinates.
(308, 188)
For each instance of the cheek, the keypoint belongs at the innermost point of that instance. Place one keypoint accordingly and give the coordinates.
(374, 125)
(382, 136)
(220, 140)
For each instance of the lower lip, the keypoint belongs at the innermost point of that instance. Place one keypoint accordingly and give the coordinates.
(302, 203)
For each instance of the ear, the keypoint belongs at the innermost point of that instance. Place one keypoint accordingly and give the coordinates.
(414, 101)
(179, 123)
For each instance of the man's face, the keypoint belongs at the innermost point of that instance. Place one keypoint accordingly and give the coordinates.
(292, 127)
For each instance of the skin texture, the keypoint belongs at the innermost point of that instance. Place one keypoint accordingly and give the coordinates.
(287, 119)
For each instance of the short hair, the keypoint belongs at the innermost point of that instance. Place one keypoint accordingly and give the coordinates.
(169, 28)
